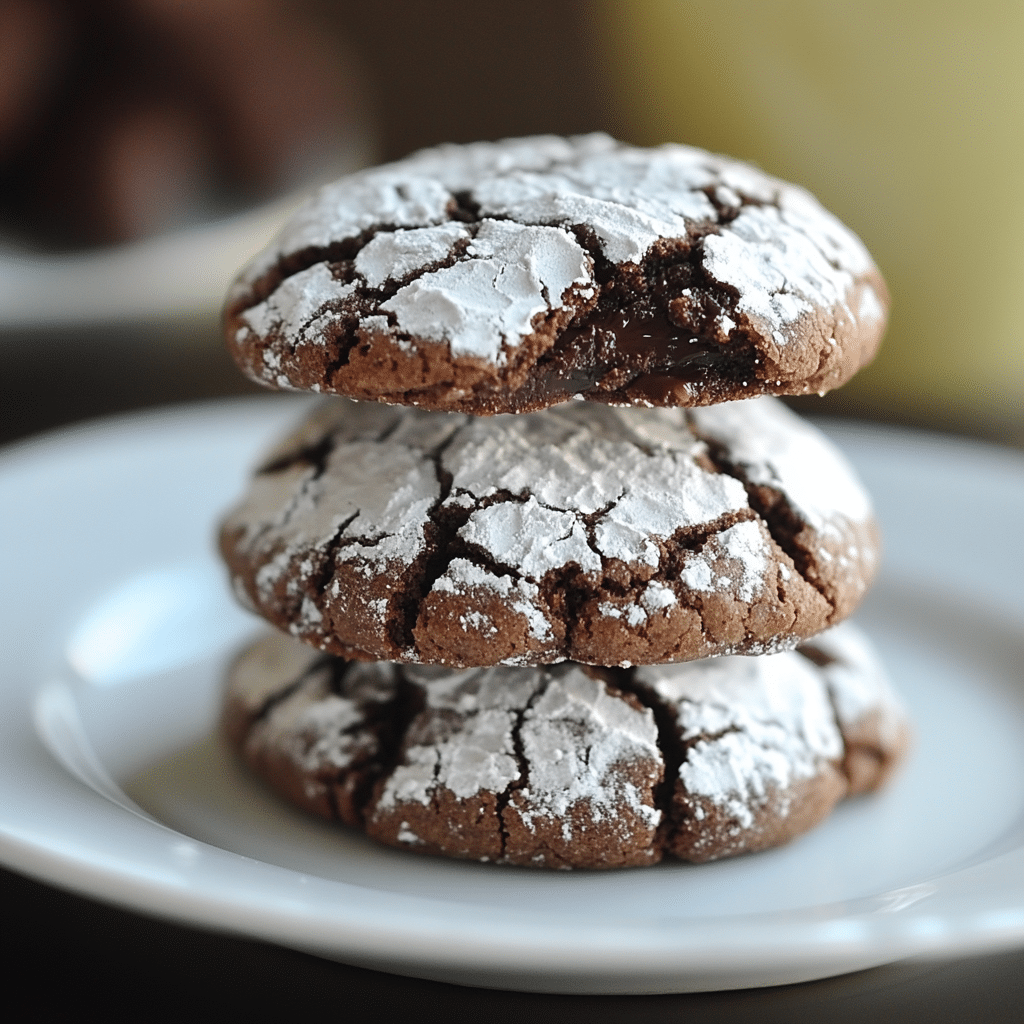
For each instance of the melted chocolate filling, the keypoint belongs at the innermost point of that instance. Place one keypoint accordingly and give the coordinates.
(636, 354)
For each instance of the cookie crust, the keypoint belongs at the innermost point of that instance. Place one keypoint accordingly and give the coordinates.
(511, 276)
(570, 766)
(599, 535)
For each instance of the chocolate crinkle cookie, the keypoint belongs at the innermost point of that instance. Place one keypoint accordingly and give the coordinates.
(511, 276)
(570, 766)
(587, 533)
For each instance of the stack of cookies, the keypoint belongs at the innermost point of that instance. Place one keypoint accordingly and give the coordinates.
(556, 582)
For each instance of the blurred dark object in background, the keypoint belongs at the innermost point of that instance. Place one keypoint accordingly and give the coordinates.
(120, 118)
(463, 70)
(55, 378)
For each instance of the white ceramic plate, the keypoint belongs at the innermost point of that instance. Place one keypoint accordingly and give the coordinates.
(116, 624)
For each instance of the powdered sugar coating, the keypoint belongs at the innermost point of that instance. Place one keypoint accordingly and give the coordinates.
(521, 596)
(575, 737)
(526, 766)
(859, 687)
(309, 723)
(488, 300)
(785, 264)
(311, 726)
(793, 467)
(776, 451)
(306, 721)
(490, 252)
(479, 754)
(742, 543)
(753, 726)
(532, 537)
(464, 540)
(396, 254)
(294, 306)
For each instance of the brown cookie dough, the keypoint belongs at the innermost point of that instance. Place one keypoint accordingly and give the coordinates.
(570, 766)
(511, 276)
(583, 532)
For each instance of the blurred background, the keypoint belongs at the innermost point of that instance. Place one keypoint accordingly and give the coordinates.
(147, 147)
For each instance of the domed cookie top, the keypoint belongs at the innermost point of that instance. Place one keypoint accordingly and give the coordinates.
(510, 276)
(606, 536)
(567, 766)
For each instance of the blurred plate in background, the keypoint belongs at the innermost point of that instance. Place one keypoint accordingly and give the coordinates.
(180, 274)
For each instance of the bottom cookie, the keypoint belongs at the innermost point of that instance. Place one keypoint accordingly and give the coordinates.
(571, 766)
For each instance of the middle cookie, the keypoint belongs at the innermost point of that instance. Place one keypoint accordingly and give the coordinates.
(607, 536)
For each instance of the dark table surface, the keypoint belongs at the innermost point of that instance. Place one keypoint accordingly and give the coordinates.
(97, 959)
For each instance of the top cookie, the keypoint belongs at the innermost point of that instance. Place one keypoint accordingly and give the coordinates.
(510, 276)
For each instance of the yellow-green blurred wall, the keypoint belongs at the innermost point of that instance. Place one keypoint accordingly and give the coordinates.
(906, 119)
